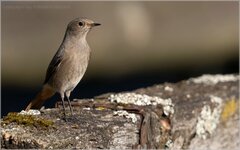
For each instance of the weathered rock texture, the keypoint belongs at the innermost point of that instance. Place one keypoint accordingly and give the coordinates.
(200, 113)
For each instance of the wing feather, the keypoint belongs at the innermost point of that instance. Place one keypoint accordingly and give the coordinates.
(54, 64)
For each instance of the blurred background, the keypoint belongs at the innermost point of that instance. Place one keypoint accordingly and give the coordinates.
(139, 44)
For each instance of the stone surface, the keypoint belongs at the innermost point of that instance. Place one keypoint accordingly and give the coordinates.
(86, 129)
(205, 115)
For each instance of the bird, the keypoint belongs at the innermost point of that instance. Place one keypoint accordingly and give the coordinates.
(68, 65)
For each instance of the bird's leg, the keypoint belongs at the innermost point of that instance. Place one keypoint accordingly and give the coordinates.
(69, 103)
(64, 110)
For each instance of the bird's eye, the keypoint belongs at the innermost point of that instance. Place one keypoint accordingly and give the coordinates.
(80, 24)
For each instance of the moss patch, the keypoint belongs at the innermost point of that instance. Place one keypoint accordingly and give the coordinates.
(28, 120)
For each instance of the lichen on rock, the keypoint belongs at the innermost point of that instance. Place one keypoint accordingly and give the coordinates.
(142, 100)
(209, 118)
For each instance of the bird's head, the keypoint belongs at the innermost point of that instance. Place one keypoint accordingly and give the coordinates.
(81, 26)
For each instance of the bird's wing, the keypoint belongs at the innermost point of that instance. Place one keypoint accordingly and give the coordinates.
(54, 64)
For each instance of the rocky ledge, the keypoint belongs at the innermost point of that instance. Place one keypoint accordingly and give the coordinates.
(200, 113)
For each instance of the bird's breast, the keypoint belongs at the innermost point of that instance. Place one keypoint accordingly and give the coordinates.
(77, 64)
(71, 69)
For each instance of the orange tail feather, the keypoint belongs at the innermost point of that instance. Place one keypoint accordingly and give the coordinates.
(41, 97)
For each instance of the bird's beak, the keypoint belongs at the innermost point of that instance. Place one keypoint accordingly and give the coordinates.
(95, 24)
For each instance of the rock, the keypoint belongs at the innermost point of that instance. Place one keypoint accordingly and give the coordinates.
(197, 113)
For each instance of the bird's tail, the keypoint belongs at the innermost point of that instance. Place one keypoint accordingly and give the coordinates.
(41, 97)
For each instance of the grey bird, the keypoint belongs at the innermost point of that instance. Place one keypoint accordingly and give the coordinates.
(68, 65)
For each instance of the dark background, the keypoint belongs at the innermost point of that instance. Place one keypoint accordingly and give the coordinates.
(139, 44)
